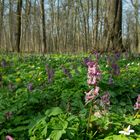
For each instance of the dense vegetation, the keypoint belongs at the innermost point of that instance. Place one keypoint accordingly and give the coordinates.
(43, 97)
(50, 96)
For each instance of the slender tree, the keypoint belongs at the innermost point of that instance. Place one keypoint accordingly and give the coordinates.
(137, 28)
(97, 20)
(85, 27)
(12, 24)
(1, 20)
(43, 25)
(18, 34)
(27, 23)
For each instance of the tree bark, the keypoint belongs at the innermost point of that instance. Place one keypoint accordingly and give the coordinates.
(27, 23)
(97, 21)
(85, 27)
(1, 20)
(18, 34)
(114, 35)
(43, 26)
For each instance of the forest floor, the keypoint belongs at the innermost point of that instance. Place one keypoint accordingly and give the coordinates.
(43, 97)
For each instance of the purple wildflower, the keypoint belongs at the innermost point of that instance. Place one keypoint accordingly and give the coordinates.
(30, 87)
(86, 60)
(50, 73)
(110, 81)
(117, 56)
(138, 99)
(96, 91)
(137, 104)
(93, 73)
(67, 72)
(91, 63)
(91, 94)
(115, 69)
(105, 99)
(93, 76)
(8, 137)
(3, 63)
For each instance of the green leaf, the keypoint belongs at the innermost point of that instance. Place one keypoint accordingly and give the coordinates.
(33, 138)
(20, 129)
(1, 117)
(119, 137)
(53, 111)
(44, 132)
(57, 134)
(135, 122)
(58, 123)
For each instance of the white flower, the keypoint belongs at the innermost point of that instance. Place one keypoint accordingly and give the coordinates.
(106, 66)
(128, 64)
(127, 131)
(98, 114)
(132, 63)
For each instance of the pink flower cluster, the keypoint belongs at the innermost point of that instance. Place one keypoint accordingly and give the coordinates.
(93, 76)
(91, 94)
(137, 104)
(8, 137)
(93, 73)
(105, 99)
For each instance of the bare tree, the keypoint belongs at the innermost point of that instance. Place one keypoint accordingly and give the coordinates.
(97, 20)
(114, 23)
(18, 34)
(85, 27)
(1, 20)
(43, 25)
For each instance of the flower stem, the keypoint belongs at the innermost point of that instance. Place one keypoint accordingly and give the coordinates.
(90, 112)
(137, 113)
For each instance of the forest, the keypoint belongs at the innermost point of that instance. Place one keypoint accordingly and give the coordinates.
(75, 26)
(69, 69)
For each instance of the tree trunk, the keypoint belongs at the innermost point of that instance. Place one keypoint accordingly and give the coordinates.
(27, 23)
(97, 21)
(12, 29)
(85, 27)
(1, 20)
(43, 26)
(92, 17)
(114, 35)
(18, 34)
(58, 24)
(137, 43)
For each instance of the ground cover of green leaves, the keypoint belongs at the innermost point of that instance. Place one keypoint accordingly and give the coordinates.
(54, 106)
